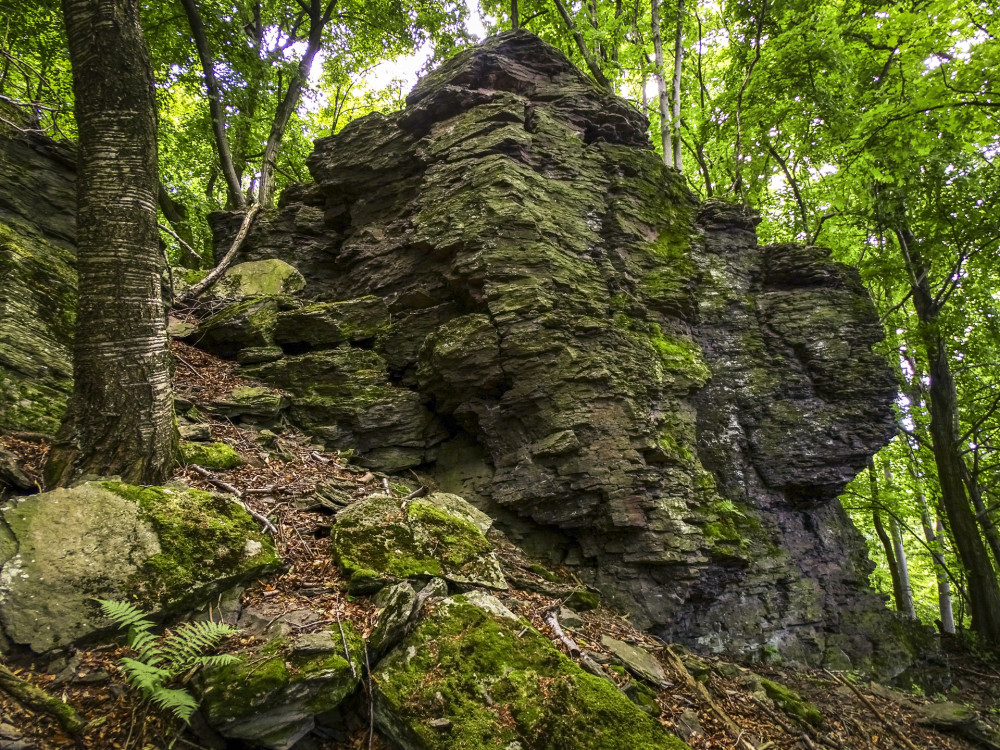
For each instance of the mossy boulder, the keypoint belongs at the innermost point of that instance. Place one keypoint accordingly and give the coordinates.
(271, 698)
(165, 548)
(383, 539)
(211, 455)
(262, 278)
(472, 675)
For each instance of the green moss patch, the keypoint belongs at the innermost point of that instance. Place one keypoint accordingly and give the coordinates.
(500, 682)
(381, 539)
(792, 703)
(206, 541)
(211, 455)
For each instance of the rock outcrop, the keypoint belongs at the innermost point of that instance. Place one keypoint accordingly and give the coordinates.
(558, 331)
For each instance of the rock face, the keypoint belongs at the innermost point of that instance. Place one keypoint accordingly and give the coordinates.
(37, 278)
(618, 373)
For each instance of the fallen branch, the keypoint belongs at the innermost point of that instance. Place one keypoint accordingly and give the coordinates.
(35, 699)
(226, 487)
(885, 722)
(703, 693)
(343, 639)
(553, 622)
(198, 289)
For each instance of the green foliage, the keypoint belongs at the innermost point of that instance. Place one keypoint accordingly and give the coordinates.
(160, 659)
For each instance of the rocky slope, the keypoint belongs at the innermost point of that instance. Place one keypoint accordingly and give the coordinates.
(506, 288)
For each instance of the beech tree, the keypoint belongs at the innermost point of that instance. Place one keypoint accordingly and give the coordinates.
(120, 419)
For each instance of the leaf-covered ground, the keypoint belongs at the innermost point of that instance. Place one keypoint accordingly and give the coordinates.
(277, 481)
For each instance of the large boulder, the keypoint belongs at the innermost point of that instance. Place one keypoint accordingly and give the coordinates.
(165, 548)
(623, 376)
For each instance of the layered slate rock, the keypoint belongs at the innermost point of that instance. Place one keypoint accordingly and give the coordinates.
(37, 278)
(619, 374)
(166, 548)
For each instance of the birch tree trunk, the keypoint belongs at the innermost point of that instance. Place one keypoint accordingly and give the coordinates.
(661, 83)
(121, 418)
(933, 535)
(675, 123)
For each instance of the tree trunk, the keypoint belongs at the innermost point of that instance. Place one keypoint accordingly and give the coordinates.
(233, 189)
(899, 592)
(581, 44)
(678, 62)
(933, 536)
(317, 20)
(121, 417)
(905, 605)
(983, 587)
(661, 84)
(515, 20)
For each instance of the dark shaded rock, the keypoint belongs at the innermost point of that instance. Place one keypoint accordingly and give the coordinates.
(961, 720)
(37, 278)
(618, 374)
(11, 474)
(248, 324)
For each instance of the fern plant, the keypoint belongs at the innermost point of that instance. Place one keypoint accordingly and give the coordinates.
(159, 659)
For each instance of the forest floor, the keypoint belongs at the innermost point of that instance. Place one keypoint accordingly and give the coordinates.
(708, 695)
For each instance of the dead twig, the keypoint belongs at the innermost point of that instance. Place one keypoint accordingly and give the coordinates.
(553, 622)
(225, 486)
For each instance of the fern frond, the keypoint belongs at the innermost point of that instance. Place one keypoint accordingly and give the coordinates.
(184, 647)
(125, 615)
(219, 660)
(146, 677)
(178, 702)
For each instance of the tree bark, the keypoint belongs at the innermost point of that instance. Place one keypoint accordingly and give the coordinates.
(233, 187)
(932, 533)
(983, 587)
(678, 62)
(899, 594)
(661, 83)
(120, 419)
(515, 21)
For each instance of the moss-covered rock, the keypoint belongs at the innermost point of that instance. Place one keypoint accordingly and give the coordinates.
(211, 455)
(384, 539)
(499, 683)
(272, 697)
(263, 278)
(252, 402)
(792, 703)
(165, 548)
(328, 324)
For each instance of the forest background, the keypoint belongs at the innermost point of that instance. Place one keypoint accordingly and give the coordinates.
(870, 128)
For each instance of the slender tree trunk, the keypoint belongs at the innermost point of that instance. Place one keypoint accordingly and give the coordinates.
(581, 44)
(678, 62)
(933, 537)
(515, 19)
(983, 586)
(233, 189)
(121, 417)
(899, 592)
(661, 83)
(318, 19)
(906, 594)
(982, 514)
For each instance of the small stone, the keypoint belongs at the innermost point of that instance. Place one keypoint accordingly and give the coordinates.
(442, 725)
(400, 601)
(687, 725)
(195, 433)
(211, 455)
(568, 618)
(638, 660)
